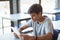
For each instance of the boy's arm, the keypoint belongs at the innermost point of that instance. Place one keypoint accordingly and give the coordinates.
(22, 28)
(44, 37)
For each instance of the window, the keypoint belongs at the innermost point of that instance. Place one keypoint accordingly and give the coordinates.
(25, 4)
(48, 5)
(4, 10)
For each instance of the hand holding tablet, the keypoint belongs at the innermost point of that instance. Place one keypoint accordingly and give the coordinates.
(15, 30)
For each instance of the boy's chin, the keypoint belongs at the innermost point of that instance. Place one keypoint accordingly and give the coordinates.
(34, 20)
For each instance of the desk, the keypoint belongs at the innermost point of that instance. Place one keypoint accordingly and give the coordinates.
(56, 24)
(15, 18)
(20, 17)
(9, 36)
(55, 14)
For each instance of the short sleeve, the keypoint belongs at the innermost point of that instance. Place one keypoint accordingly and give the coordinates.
(49, 27)
(29, 23)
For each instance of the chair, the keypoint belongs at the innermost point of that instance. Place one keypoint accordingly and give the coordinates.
(55, 34)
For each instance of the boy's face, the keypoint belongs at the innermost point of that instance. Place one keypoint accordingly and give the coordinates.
(35, 16)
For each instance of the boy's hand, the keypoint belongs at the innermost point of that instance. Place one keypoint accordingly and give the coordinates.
(16, 35)
(26, 37)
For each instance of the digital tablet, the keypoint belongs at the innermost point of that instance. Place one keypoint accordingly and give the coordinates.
(15, 30)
